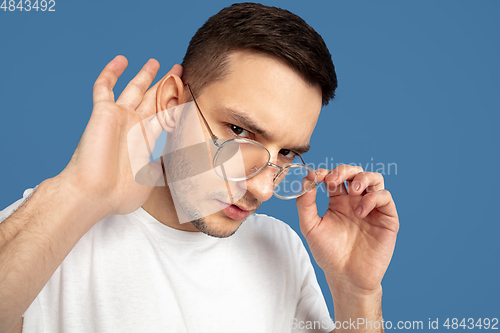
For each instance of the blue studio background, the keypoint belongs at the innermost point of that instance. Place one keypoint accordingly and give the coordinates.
(418, 89)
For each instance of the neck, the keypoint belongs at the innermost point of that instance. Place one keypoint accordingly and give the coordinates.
(160, 205)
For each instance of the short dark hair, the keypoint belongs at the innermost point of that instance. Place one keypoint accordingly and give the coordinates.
(269, 30)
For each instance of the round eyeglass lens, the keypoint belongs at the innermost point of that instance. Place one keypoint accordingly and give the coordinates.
(289, 183)
(240, 159)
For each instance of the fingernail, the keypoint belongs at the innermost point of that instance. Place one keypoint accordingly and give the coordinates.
(356, 185)
(359, 210)
(335, 175)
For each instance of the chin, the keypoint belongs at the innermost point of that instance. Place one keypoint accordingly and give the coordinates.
(220, 228)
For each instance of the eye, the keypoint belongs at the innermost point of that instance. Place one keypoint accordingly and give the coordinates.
(288, 154)
(238, 131)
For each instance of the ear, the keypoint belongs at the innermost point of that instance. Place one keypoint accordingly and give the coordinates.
(168, 94)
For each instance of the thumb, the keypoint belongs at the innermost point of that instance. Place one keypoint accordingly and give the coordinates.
(307, 209)
(150, 174)
(141, 141)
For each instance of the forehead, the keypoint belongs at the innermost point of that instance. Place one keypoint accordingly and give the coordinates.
(270, 92)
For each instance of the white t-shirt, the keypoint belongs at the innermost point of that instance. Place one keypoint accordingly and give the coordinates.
(131, 273)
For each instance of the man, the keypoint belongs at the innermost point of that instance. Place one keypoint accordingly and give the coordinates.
(80, 254)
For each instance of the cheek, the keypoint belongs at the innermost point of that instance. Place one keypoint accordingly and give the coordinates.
(208, 186)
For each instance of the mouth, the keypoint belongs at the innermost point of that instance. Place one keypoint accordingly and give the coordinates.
(236, 212)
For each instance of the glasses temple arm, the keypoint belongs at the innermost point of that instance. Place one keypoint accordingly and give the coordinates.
(214, 138)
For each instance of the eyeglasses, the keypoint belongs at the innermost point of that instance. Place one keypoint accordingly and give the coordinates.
(241, 159)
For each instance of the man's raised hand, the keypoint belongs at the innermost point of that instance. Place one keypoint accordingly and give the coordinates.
(100, 169)
(354, 240)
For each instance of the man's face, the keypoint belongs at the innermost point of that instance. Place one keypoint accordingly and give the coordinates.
(261, 99)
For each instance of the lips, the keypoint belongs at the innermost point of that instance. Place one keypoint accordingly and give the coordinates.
(236, 213)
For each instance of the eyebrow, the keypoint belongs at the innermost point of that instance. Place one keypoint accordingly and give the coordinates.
(252, 126)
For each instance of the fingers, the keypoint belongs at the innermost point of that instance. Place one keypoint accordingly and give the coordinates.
(369, 181)
(380, 200)
(177, 70)
(334, 181)
(307, 209)
(103, 86)
(368, 186)
(134, 92)
(358, 181)
(332, 187)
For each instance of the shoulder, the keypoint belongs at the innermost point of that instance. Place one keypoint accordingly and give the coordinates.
(263, 221)
(266, 222)
(263, 229)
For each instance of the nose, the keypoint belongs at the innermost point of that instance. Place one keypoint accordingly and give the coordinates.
(261, 185)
